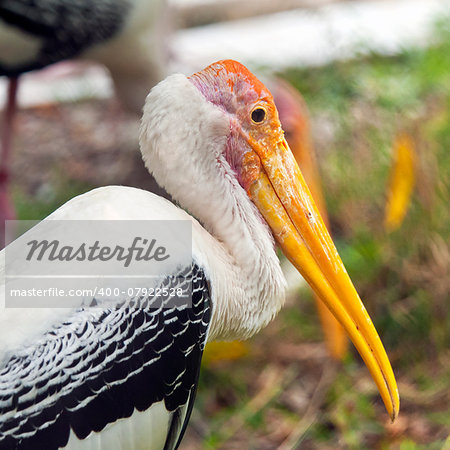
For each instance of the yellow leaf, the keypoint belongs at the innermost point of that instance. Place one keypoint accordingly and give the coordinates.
(223, 351)
(401, 182)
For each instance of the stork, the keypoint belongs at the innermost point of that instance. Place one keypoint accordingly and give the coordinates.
(215, 143)
(124, 35)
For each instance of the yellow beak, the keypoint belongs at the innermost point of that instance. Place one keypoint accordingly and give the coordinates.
(279, 191)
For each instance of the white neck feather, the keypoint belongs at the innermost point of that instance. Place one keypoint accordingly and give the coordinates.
(246, 279)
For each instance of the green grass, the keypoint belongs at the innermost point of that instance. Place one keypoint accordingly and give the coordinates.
(47, 199)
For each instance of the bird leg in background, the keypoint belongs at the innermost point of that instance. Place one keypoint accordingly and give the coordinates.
(7, 211)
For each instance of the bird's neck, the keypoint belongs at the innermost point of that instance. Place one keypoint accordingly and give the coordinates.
(237, 248)
(247, 282)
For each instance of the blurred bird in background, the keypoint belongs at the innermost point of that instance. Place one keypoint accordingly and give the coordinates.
(294, 118)
(126, 36)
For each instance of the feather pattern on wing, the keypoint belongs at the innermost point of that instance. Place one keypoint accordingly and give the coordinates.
(102, 365)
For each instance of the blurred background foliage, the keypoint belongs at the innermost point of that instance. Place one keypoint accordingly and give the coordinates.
(283, 391)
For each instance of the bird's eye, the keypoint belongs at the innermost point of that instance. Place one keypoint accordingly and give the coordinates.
(258, 114)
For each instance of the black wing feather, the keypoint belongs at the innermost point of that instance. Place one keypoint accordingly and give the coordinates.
(88, 373)
(65, 27)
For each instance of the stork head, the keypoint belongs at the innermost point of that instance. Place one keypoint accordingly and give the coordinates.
(223, 120)
(253, 117)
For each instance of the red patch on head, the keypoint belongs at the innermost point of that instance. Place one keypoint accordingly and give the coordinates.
(234, 67)
(229, 73)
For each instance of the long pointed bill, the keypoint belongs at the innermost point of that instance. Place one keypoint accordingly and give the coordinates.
(280, 192)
